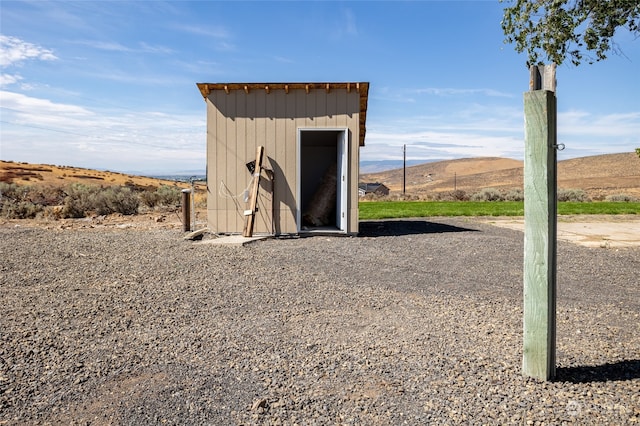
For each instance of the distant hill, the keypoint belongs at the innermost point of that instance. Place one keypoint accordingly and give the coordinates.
(45, 174)
(599, 175)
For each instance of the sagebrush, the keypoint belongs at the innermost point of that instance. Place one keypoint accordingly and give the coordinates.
(79, 200)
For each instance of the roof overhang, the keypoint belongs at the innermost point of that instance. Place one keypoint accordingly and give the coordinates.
(362, 88)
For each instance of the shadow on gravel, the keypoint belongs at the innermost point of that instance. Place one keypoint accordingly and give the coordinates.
(613, 372)
(387, 228)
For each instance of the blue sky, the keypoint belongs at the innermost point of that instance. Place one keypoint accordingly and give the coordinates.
(111, 84)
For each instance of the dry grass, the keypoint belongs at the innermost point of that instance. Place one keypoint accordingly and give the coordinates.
(61, 176)
(31, 174)
(49, 179)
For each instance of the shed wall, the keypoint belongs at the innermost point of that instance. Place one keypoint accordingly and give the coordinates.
(239, 122)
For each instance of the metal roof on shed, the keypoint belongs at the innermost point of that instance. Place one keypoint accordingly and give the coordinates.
(360, 87)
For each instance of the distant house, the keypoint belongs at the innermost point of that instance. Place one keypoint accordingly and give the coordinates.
(372, 188)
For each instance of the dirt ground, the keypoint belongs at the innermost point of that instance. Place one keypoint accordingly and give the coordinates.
(604, 231)
(120, 321)
(587, 230)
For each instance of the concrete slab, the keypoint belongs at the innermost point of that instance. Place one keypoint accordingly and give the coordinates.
(233, 240)
(605, 232)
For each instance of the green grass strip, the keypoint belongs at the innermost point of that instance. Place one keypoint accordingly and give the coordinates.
(398, 209)
(598, 207)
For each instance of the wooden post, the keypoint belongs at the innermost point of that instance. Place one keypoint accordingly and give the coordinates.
(253, 200)
(404, 169)
(186, 210)
(540, 187)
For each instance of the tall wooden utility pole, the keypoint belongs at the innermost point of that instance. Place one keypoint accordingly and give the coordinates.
(404, 168)
(540, 220)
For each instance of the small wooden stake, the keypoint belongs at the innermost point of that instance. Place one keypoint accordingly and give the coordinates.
(540, 186)
(253, 201)
(186, 210)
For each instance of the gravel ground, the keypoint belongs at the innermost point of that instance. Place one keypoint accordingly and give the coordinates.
(413, 322)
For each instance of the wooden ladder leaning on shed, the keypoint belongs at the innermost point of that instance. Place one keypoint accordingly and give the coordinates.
(253, 200)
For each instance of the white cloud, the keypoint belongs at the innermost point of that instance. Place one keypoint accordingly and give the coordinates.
(42, 131)
(446, 130)
(448, 91)
(117, 47)
(582, 123)
(585, 133)
(224, 46)
(105, 45)
(13, 51)
(213, 31)
(220, 34)
(155, 49)
(480, 130)
(8, 79)
(34, 107)
(343, 25)
(350, 26)
(441, 145)
(417, 96)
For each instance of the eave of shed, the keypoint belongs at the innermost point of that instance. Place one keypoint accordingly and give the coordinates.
(362, 88)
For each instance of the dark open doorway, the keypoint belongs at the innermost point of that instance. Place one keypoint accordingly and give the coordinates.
(322, 180)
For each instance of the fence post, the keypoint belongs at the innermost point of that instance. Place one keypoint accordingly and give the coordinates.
(540, 188)
(186, 210)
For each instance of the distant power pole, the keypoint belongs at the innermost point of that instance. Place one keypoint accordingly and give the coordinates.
(404, 168)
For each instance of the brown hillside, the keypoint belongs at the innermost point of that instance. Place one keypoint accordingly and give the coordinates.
(599, 175)
(58, 176)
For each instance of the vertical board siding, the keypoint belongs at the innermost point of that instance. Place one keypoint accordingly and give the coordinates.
(302, 120)
(232, 159)
(259, 98)
(331, 109)
(290, 169)
(321, 108)
(212, 188)
(239, 122)
(235, 174)
(353, 104)
(221, 162)
(282, 145)
(270, 143)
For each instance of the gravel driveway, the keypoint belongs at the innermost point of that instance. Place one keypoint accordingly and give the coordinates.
(413, 322)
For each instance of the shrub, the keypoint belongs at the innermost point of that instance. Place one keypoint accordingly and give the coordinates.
(622, 198)
(20, 209)
(487, 194)
(573, 195)
(456, 195)
(169, 195)
(52, 212)
(117, 199)
(164, 195)
(82, 199)
(149, 199)
(514, 195)
(75, 201)
(11, 191)
(46, 195)
(79, 200)
(15, 202)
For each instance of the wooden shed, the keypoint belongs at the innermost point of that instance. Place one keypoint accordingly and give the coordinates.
(311, 134)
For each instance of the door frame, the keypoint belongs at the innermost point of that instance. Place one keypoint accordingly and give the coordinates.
(342, 161)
